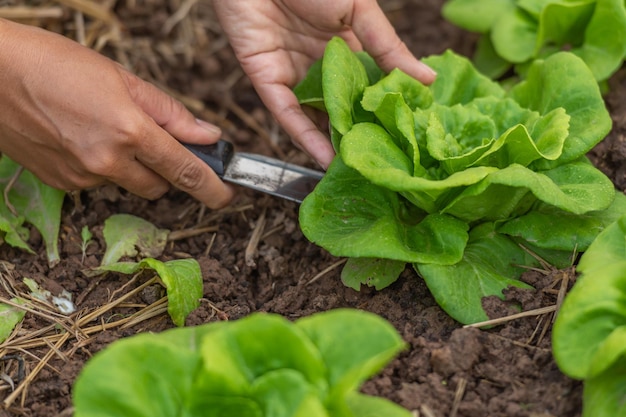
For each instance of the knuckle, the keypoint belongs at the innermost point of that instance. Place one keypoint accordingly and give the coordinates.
(189, 177)
(103, 165)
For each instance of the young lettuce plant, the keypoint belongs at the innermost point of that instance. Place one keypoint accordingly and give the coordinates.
(461, 179)
(259, 366)
(517, 31)
(589, 335)
(129, 236)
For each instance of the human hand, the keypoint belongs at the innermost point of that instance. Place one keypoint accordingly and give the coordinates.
(77, 120)
(277, 40)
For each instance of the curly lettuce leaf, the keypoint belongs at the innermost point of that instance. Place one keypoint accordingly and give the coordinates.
(564, 81)
(350, 216)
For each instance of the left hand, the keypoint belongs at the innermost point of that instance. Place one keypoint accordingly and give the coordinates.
(276, 41)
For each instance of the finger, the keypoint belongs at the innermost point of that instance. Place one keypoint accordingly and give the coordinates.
(381, 41)
(284, 105)
(139, 180)
(170, 113)
(172, 161)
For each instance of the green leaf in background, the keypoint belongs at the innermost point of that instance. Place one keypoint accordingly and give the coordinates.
(182, 279)
(259, 366)
(605, 38)
(458, 82)
(373, 272)
(476, 15)
(487, 60)
(10, 316)
(524, 30)
(35, 203)
(489, 266)
(128, 235)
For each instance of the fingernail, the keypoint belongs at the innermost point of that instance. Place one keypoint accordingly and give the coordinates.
(209, 127)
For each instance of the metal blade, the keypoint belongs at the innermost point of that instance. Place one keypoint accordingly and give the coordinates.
(272, 176)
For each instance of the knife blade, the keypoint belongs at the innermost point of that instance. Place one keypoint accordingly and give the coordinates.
(258, 172)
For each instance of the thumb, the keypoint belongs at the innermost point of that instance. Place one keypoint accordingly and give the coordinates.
(170, 113)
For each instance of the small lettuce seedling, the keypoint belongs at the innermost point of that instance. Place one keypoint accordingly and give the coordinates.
(129, 236)
(455, 178)
(589, 335)
(33, 202)
(517, 31)
(259, 366)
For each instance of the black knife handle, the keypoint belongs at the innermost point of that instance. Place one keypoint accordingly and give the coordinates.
(217, 155)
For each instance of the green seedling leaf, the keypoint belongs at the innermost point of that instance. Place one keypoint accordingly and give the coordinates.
(373, 272)
(259, 366)
(35, 203)
(10, 316)
(128, 235)
(182, 279)
(86, 237)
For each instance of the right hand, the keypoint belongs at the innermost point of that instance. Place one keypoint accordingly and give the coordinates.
(76, 119)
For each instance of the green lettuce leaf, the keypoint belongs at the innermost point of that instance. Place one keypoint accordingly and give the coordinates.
(408, 189)
(182, 279)
(521, 31)
(489, 265)
(259, 366)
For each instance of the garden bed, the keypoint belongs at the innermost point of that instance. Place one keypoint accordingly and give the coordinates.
(252, 254)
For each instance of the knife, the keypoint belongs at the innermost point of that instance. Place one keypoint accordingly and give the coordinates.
(258, 172)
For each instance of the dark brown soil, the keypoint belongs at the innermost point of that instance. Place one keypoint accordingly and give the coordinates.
(448, 370)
